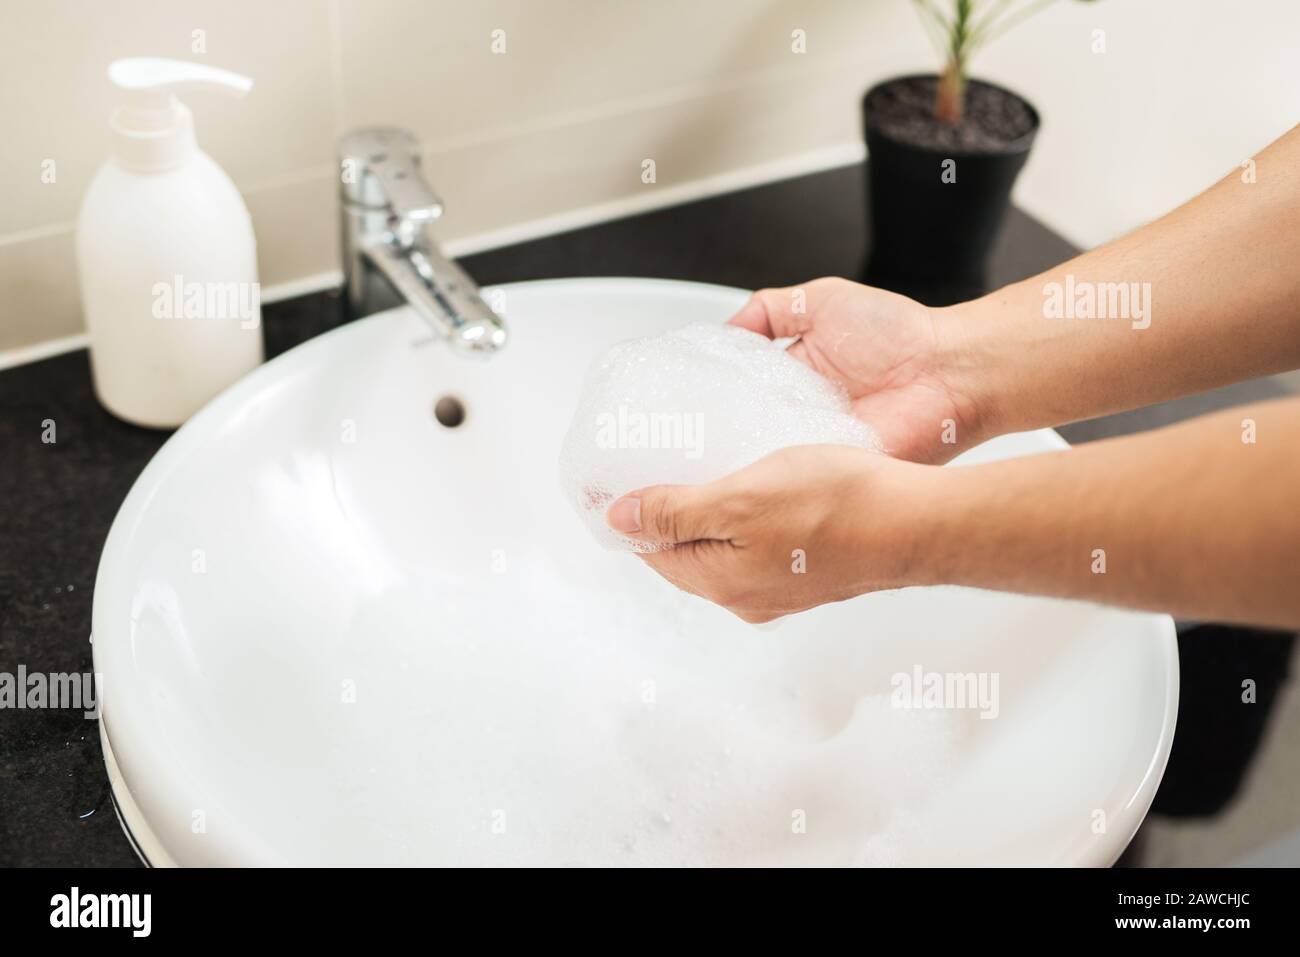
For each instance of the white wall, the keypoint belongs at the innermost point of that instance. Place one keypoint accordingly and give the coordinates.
(1186, 90)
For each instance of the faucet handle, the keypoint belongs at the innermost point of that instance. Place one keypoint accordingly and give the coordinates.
(409, 195)
(380, 168)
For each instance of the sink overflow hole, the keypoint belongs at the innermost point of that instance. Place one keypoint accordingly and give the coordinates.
(449, 411)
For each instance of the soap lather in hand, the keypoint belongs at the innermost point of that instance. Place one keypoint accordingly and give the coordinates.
(688, 407)
(738, 539)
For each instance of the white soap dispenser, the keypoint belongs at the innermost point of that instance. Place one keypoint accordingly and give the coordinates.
(166, 254)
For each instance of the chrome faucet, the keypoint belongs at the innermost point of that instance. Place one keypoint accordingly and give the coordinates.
(385, 205)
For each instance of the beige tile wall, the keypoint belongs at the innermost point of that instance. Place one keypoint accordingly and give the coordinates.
(587, 89)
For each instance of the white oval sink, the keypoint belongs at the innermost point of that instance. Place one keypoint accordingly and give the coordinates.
(333, 631)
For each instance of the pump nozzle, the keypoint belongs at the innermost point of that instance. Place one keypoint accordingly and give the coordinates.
(149, 82)
(153, 130)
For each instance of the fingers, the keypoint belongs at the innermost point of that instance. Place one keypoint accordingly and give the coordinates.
(702, 568)
(687, 565)
(787, 312)
(709, 570)
(671, 514)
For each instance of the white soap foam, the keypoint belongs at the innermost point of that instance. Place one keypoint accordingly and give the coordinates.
(690, 406)
(603, 718)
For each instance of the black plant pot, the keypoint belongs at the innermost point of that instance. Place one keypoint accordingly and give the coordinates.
(933, 222)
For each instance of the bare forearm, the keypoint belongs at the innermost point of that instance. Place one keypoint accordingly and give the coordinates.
(1190, 519)
(1206, 296)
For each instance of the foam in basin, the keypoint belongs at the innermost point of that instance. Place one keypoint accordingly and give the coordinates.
(600, 717)
(690, 406)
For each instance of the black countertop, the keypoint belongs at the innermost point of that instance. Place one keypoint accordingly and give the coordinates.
(59, 499)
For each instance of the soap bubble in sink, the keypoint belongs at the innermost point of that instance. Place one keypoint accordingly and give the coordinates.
(690, 406)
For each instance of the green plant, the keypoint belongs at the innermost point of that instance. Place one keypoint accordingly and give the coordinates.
(972, 24)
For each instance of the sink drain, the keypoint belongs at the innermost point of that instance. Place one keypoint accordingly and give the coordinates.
(449, 411)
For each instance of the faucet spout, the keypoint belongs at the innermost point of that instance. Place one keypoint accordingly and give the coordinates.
(389, 257)
(442, 294)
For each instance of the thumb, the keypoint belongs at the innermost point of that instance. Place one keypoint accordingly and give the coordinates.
(670, 514)
(786, 312)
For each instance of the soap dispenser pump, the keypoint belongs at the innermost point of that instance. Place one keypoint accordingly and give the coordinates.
(166, 256)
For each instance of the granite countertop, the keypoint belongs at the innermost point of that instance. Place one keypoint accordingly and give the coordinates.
(60, 498)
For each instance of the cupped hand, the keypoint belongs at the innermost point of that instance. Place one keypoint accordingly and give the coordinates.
(804, 526)
(896, 358)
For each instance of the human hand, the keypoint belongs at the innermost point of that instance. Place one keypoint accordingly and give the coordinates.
(804, 526)
(896, 358)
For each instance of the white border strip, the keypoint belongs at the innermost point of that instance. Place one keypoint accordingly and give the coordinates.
(802, 164)
(43, 350)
